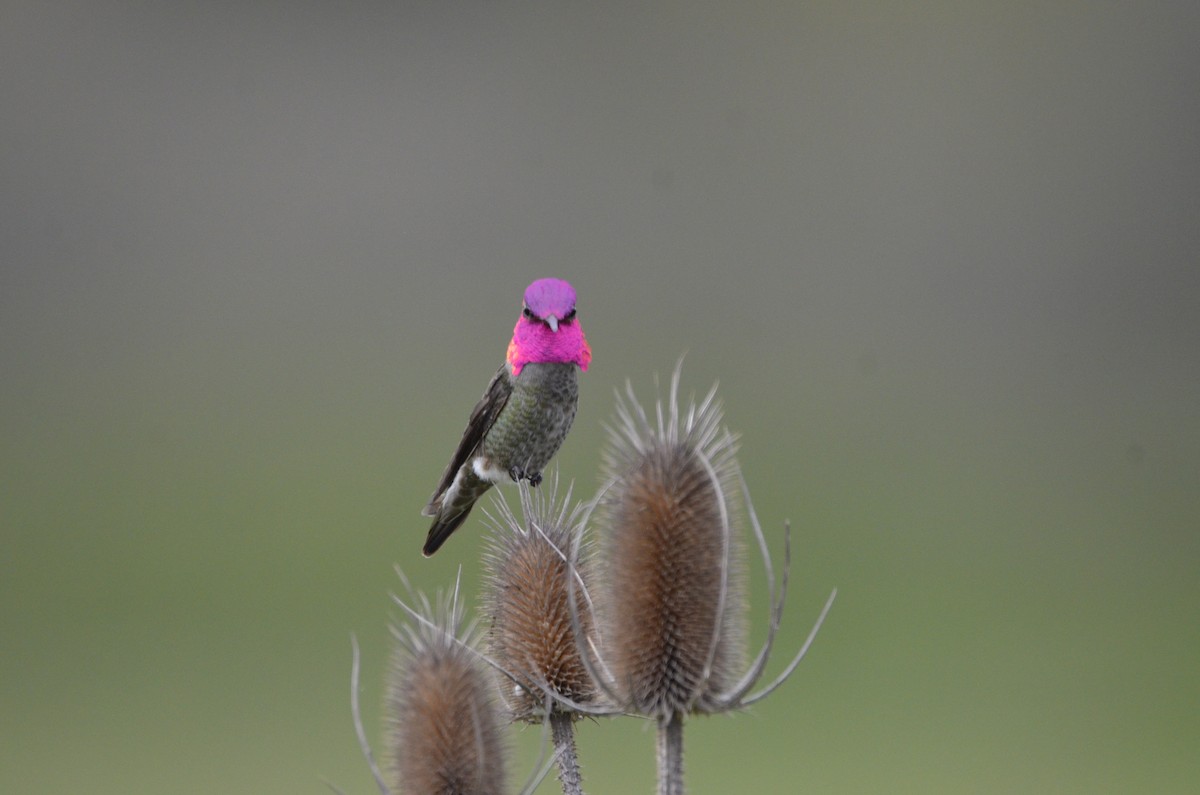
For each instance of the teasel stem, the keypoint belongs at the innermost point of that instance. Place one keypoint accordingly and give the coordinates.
(670, 755)
(562, 729)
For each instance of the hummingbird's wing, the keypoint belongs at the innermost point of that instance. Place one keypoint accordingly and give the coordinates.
(482, 417)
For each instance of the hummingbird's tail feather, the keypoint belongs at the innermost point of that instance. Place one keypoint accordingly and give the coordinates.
(452, 508)
(441, 530)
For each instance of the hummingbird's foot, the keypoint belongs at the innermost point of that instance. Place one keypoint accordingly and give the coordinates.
(518, 473)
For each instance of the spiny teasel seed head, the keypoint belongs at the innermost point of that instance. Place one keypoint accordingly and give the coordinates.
(527, 602)
(673, 603)
(442, 721)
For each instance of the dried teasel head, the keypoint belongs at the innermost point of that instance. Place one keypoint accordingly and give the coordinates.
(672, 601)
(528, 599)
(443, 724)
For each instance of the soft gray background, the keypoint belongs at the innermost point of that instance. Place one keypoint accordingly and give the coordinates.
(260, 259)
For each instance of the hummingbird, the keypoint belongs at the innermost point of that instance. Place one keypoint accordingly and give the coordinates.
(525, 412)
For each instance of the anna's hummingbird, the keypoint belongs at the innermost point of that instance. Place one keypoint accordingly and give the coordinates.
(523, 417)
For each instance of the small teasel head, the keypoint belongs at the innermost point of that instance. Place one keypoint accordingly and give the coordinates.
(443, 725)
(673, 603)
(537, 567)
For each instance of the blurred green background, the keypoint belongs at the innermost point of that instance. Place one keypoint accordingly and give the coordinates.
(260, 259)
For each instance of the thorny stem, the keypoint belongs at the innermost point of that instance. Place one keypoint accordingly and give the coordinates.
(670, 755)
(563, 732)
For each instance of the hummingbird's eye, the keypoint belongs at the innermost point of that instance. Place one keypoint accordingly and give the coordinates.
(570, 315)
(527, 312)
